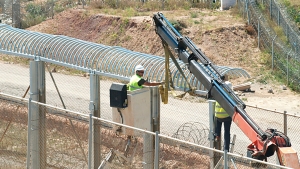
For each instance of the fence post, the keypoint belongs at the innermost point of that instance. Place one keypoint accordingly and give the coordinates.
(287, 68)
(38, 116)
(258, 30)
(248, 17)
(278, 17)
(271, 9)
(273, 52)
(155, 108)
(225, 159)
(212, 142)
(156, 155)
(16, 21)
(148, 151)
(28, 135)
(95, 111)
(90, 154)
(285, 123)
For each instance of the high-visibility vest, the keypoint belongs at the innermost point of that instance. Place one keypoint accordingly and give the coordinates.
(220, 112)
(133, 84)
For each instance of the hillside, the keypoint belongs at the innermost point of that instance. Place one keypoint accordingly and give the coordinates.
(222, 35)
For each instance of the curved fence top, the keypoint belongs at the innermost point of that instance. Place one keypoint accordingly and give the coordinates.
(111, 61)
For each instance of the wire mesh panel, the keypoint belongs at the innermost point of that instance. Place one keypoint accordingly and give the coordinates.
(125, 147)
(65, 137)
(193, 109)
(14, 78)
(175, 153)
(67, 91)
(13, 133)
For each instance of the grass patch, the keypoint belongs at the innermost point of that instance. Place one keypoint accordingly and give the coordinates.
(178, 24)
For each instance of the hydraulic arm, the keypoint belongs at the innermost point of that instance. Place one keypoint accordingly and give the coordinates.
(264, 143)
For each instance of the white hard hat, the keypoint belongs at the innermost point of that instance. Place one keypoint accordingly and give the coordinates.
(229, 84)
(139, 67)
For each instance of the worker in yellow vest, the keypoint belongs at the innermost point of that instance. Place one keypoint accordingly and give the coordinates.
(137, 81)
(222, 117)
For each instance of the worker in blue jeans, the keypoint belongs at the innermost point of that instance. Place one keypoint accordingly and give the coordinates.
(222, 117)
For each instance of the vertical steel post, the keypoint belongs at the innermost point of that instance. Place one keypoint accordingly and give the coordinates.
(247, 8)
(271, 9)
(278, 17)
(95, 111)
(90, 153)
(155, 108)
(213, 144)
(273, 52)
(285, 122)
(16, 19)
(156, 156)
(38, 116)
(149, 142)
(148, 151)
(28, 135)
(258, 32)
(287, 68)
(225, 159)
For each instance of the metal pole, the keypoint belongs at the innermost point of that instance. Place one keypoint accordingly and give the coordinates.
(155, 108)
(247, 12)
(28, 135)
(155, 112)
(278, 18)
(90, 141)
(33, 112)
(258, 30)
(95, 111)
(156, 156)
(271, 9)
(287, 68)
(225, 159)
(273, 52)
(285, 122)
(38, 116)
(213, 144)
(148, 151)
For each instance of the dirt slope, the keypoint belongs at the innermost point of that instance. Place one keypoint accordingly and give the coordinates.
(221, 42)
(223, 37)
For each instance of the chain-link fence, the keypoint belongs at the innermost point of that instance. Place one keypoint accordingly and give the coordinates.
(278, 13)
(67, 134)
(284, 56)
(66, 142)
(13, 133)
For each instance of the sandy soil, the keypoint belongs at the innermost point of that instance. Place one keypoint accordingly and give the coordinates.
(223, 37)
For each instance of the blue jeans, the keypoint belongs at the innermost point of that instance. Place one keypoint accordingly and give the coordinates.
(227, 123)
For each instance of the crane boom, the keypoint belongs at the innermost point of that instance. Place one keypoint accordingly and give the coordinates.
(264, 143)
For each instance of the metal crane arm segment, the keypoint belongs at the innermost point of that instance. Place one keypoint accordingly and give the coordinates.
(264, 143)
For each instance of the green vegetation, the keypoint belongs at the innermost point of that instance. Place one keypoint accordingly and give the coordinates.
(293, 8)
(178, 24)
(36, 13)
(284, 69)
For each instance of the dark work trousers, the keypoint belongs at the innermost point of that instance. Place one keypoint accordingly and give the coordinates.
(227, 123)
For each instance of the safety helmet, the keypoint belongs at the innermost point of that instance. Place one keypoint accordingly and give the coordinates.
(229, 84)
(139, 67)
